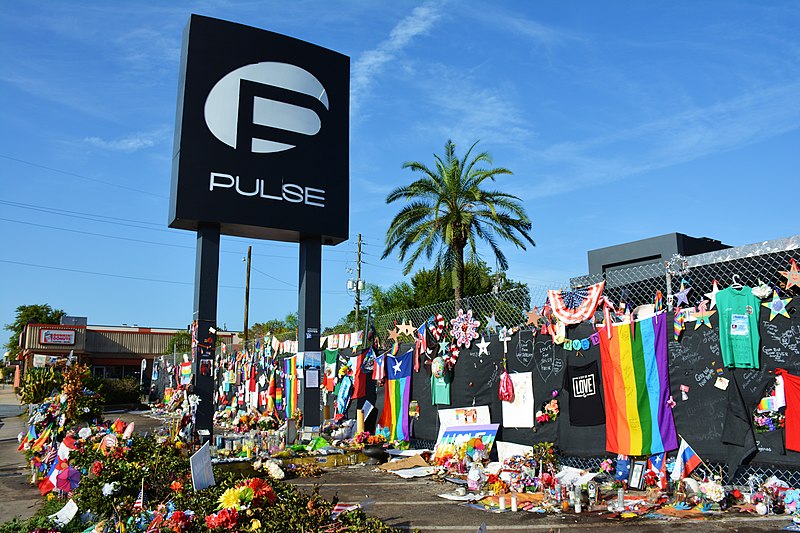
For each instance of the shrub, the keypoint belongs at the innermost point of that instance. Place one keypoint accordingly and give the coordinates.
(121, 391)
(39, 383)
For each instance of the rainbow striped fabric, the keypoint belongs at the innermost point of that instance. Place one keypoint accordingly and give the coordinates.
(290, 385)
(636, 388)
(397, 395)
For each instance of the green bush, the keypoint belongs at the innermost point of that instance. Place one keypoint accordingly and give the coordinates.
(120, 391)
(39, 383)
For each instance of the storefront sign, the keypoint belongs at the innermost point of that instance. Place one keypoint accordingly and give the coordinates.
(57, 336)
(262, 135)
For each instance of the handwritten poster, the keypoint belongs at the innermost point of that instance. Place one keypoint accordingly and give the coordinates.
(519, 413)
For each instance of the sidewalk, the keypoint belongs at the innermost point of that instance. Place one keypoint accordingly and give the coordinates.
(17, 496)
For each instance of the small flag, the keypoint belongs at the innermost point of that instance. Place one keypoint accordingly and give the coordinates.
(623, 468)
(340, 508)
(686, 461)
(138, 505)
(657, 464)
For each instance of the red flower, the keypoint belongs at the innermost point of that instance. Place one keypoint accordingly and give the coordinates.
(261, 490)
(651, 479)
(226, 518)
(97, 467)
(176, 486)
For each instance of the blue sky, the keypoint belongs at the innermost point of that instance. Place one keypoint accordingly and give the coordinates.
(620, 121)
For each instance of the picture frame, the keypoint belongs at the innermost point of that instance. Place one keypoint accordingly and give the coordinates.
(636, 476)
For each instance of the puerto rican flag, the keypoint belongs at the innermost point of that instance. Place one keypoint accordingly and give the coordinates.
(686, 461)
(658, 464)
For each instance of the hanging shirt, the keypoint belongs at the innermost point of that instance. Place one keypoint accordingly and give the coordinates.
(791, 385)
(738, 327)
(585, 405)
(440, 389)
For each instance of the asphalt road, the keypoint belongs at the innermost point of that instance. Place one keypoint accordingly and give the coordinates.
(414, 504)
(405, 504)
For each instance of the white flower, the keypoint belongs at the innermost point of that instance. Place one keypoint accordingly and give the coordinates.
(110, 488)
(273, 470)
(85, 433)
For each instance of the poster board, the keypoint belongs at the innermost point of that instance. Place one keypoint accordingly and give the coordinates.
(455, 437)
(462, 416)
(202, 473)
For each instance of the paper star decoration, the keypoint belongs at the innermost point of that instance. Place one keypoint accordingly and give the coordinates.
(703, 318)
(491, 323)
(443, 346)
(482, 346)
(713, 294)
(792, 275)
(777, 306)
(393, 333)
(682, 294)
(406, 329)
(533, 317)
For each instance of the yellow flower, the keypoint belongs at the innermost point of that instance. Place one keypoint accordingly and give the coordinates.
(229, 499)
(255, 524)
(50, 496)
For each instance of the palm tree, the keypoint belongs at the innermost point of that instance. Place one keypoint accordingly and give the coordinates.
(447, 211)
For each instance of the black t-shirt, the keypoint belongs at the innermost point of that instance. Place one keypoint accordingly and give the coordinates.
(583, 385)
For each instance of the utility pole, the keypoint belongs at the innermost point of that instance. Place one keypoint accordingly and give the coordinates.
(358, 281)
(247, 296)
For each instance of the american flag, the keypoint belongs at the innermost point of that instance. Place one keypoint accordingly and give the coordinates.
(340, 508)
(138, 505)
(50, 456)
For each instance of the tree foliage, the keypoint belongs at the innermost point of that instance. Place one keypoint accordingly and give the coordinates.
(30, 314)
(285, 327)
(429, 287)
(447, 211)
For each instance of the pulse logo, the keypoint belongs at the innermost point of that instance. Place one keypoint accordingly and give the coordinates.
(266, 107)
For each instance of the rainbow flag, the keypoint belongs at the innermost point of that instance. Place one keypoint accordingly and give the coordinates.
(636, 388)
(290, 385)
(397, 395)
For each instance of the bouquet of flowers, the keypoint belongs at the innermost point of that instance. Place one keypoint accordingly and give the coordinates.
(549, 411)
(366, 438)
(651, 479)
(713, 491)
(768, 421)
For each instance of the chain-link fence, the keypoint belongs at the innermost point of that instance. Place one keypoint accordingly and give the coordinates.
(751, 265)
(637, 285)
(759, 472)
(509, 308)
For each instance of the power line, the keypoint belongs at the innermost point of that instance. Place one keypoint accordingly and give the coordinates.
(138, 278)
(76, 214)
(273, 277)
(94, 218)
(81, 176)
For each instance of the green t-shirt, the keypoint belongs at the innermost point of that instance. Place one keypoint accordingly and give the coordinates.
(440, 389)
(738, 327)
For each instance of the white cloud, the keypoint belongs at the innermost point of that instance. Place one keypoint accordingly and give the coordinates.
(131, 143)
(680, 138)
(371, 63)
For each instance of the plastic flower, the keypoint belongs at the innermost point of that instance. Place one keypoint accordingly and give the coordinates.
(109, 488)
(229, 499)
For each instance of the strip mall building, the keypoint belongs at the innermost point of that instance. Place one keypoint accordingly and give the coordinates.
(111, 351)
